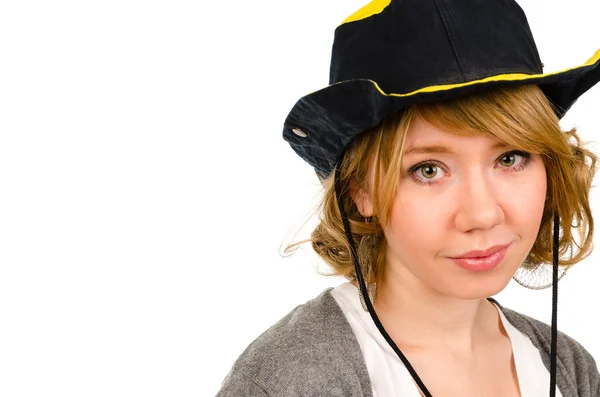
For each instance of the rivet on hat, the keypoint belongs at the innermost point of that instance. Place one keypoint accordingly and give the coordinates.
(299, 132)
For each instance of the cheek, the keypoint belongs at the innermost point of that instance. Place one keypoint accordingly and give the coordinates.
(419, 211)
(526, 204)
(414, 229)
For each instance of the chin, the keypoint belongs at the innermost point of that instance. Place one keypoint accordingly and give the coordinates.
(480, 288)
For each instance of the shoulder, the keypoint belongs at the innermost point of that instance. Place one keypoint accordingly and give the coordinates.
(310, 351)
(574, 362)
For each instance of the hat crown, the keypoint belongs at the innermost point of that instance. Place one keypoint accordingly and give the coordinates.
(416, 43)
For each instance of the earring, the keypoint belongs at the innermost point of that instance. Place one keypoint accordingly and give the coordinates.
(538, 276)
(366, 252)
(371, 291)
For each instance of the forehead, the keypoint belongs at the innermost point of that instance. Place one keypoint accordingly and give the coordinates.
(423, 136)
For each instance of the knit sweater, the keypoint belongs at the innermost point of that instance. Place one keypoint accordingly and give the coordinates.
(312, 351)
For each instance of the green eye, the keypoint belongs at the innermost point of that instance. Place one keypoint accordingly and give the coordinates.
(429, 171)
(508, 160)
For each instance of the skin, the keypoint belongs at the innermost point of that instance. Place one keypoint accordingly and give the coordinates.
(479, 198)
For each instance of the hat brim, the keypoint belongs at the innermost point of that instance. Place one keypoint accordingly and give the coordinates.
(333, 116)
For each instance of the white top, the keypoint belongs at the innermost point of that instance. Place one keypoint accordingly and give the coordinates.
(389, 377)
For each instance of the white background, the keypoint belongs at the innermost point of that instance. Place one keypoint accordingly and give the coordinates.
(145, 189)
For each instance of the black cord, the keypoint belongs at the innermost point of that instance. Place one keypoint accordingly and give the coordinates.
(363, 289)
(553, 344)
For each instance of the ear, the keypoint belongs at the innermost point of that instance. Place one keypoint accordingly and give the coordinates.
(363, 202)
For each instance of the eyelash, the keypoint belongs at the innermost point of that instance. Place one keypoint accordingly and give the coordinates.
(413, 170)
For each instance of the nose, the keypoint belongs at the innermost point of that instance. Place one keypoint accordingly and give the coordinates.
(479, 205)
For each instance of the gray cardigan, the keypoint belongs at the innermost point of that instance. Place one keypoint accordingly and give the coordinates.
(312, 351)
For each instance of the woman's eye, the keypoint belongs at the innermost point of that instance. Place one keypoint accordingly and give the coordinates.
(426, 173)
(429, 171)
(509, 160)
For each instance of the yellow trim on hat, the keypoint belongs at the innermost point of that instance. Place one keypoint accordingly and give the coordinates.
(374, 7)
(499, 77)
(593, 59)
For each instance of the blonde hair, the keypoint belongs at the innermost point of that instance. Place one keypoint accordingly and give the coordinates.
(521, 117)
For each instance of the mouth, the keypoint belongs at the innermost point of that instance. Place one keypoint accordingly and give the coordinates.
(479, 261)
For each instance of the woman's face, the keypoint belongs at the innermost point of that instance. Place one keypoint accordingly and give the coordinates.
(459, 194)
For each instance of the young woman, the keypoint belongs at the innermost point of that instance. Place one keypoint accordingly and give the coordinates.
(445, 172)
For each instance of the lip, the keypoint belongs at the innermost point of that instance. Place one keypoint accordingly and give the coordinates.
(482, 263)
(481, 253)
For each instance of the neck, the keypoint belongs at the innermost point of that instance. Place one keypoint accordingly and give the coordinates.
(417, 317)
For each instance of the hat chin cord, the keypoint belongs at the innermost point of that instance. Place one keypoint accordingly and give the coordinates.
(367, 300)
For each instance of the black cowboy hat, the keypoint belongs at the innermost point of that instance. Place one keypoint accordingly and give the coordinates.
(394, 53)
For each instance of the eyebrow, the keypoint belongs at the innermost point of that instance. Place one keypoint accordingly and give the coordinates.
(444, 149)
